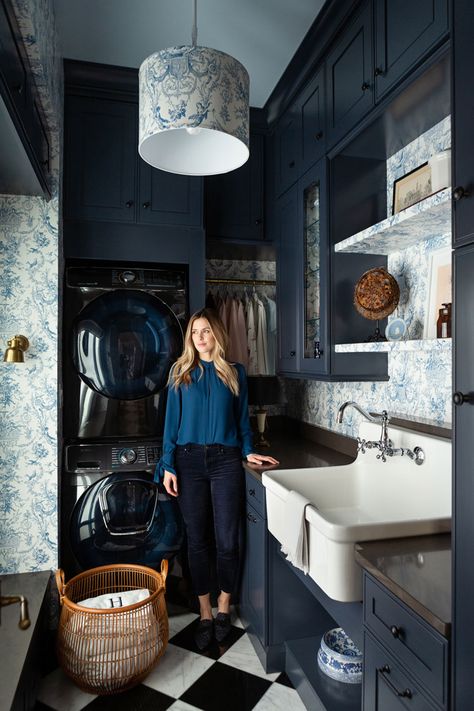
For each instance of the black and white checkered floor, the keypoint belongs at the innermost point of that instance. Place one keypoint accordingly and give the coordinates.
(226, 676)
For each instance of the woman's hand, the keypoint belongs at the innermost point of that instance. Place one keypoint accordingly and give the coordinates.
(170, 482)
(260, 459)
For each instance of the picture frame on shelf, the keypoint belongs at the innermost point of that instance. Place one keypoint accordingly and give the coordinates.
(411, 188)
(439, 288)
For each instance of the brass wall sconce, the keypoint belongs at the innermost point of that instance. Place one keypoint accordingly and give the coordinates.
(16, 348)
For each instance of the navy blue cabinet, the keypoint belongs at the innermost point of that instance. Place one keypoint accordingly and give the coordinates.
(254, 578)
(404, 32)
(300, 137)
(313, 276)
(235, 200)
(349, 72)
(286, 146)
(105, 179)
(463, 519)
(409, 659)
(387, 686)
(168, 198)
(312, 114)
(463, 113)
(303, 264)
(288, 264)
(100, 159)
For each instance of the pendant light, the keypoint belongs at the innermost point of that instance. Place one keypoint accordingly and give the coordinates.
(193, 110)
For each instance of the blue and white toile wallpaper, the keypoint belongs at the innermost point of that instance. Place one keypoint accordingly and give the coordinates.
(420, 380)
(29, 246)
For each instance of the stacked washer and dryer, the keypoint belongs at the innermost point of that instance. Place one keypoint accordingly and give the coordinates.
(123, 329)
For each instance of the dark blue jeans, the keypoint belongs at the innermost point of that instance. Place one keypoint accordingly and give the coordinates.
(211, 476)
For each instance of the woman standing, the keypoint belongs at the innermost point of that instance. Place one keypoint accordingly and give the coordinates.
(207, 433)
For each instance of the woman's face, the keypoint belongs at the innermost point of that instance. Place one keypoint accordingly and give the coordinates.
(203, 339)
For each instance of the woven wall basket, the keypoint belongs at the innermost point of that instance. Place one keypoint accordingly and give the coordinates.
(107, 651)
(376, 294)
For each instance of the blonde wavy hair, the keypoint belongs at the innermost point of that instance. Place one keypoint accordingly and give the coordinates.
(189, 359)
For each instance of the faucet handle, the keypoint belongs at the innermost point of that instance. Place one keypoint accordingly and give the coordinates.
(361, 445)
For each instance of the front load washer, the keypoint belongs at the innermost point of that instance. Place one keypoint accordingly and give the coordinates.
(112, 511)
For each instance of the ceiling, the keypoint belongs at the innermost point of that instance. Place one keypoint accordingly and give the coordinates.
(262, 34)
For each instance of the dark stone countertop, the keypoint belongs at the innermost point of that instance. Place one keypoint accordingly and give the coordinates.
(14, 641)
(298, 445)
(417, 570)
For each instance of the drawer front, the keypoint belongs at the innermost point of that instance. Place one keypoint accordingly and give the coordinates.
(255, 494)
(387, 686)
(421, 649)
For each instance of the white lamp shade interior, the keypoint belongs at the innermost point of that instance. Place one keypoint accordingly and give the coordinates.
(194, 112)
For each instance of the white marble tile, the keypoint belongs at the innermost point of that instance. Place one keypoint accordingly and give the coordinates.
(182, 706)
(179, 622)
(59, 692)
(279, 698)
(243, 656)
(177, 670)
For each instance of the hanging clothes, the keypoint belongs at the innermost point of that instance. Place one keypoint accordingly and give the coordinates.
(251, 335)
(270, 310)
(261, 336)
(238, 350)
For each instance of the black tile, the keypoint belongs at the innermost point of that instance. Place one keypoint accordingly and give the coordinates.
(225, 687)
(140, 698)
(285, 680)
(185, 639)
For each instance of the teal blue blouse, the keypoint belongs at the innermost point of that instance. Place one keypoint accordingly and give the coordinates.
(205, 412)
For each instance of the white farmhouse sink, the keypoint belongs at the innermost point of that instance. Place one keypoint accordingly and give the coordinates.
(365, 500)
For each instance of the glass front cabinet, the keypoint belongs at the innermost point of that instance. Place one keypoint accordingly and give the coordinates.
(303, 346)
(313, 347)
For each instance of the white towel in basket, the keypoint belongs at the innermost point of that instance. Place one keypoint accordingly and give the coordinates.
(295, 545)
(116, 599)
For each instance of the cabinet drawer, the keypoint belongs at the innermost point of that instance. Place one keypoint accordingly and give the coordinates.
(387, 686)
(420, 649)
(255, 494)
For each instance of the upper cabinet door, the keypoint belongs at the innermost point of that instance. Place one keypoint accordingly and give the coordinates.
(312, 118)
(168, 199)
(313, 349)
(463, 113)
(287, 149)
(101, 150)
(235, 200)
(404, 32)
(288, 286)
(349, 72)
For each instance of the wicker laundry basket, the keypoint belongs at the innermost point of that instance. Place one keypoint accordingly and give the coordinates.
(107, 651)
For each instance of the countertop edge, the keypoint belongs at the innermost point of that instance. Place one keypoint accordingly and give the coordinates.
(444, 628)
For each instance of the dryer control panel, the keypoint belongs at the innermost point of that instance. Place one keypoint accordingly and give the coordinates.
(104, 458)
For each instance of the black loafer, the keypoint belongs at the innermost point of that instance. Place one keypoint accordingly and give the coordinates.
(222, 626)
(203, 634)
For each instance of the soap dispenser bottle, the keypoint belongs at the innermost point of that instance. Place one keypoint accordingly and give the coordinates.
(443, 324)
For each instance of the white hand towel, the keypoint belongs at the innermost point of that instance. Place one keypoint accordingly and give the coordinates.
(116, 599)
(295, 547)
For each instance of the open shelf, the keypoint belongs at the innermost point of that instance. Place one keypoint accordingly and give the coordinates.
(428, 218)
(432, 344)
(317, 690)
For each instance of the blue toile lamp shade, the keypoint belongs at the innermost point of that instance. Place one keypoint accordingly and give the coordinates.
(194, 111)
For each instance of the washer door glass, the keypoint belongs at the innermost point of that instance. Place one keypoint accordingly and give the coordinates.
(124, 343)
(125, 519)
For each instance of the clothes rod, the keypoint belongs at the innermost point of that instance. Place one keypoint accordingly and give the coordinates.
(249, 282)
